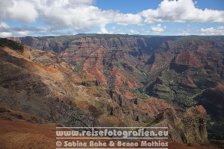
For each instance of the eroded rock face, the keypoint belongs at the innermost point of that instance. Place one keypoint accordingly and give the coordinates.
(121, 80)
(184, 126)
(37, 84)
(172, 68)
(194, 122)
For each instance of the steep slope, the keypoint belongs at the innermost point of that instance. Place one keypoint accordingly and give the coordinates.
(185, 71)
(37, 83)
(40, 87)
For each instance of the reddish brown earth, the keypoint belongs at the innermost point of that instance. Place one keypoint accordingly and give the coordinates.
(220, 86)
(25, 135)
(184, 146)
(188, 58)
(154, 105)
(117, 80)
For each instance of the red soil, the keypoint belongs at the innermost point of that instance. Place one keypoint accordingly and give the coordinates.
(188, 58)
(25, 135)
(129, 95)
(175, 145)
(154, 105)
(220, 86)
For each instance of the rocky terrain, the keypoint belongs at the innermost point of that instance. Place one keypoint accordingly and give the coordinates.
(116, 80)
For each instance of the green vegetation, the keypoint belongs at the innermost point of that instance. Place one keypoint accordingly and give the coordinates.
(139, 93)
(11, 44)
(77, 68)
(187, 102)
(98, 91)
(77, 118)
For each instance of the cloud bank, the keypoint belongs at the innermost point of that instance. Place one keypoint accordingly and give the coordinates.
(213, 30)
(84, 16)
(181, 11)
(158, 28)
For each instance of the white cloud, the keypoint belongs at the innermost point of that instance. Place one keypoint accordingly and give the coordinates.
(132, 31)
(3, 26)
(6, 31)
(181, 11)
(103, 30)
(5, 34)
(158, 28)
(184, 33)
(80, 18)
(126, 19)
(14, 33)
(213, 30)
(22, 10)
(23, 33)
(85, 16)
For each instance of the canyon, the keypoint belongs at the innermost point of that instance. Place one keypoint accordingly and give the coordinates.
(116, 80)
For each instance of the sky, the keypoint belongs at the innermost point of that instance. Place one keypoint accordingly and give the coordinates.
(145, 17)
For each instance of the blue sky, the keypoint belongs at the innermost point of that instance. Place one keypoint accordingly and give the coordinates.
(139, 5)
(147, 17)
(134, 6)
